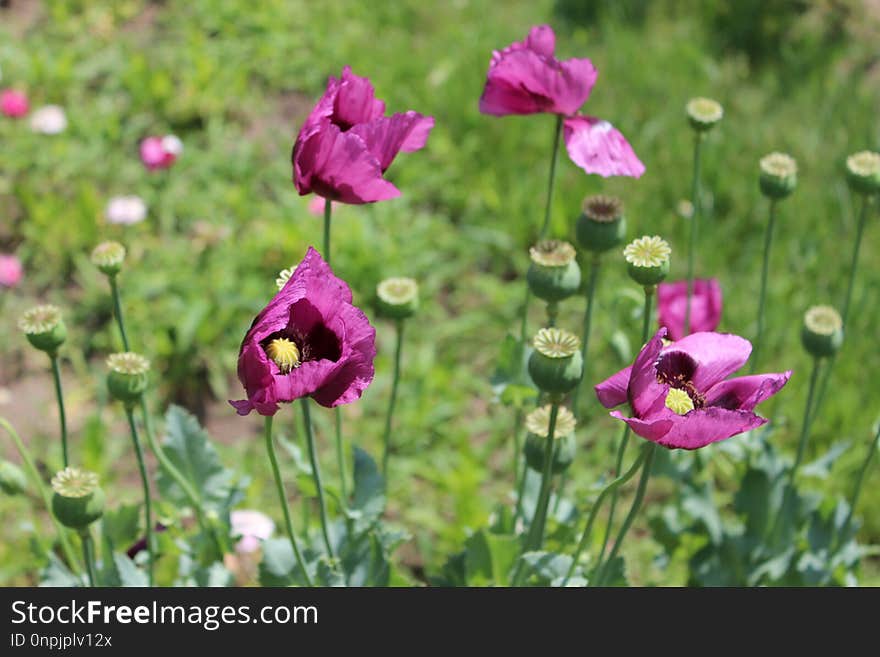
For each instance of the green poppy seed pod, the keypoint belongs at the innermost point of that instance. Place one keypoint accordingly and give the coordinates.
(538, 426)
(44, 328)
(647, 260)
(863, 172)
(127, 378)
(778, 176)
(554, 273)
(703, 113)
(397, 298)
(108, 257)
(601, 225)
(78, 500)
(12, 480)
(822, 332)
(556, 364)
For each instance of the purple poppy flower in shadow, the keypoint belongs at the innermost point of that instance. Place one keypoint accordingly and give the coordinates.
(680, 396)
(706, 303)
(525, 78)
(310, 341)
(346, 144)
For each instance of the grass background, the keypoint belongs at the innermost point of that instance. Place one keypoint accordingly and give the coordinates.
(234, 79)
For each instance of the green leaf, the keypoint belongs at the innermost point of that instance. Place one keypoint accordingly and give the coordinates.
(213, 575)
(369, 489)
(186, 445)
(128, 573)
(122, 525)
(56, 574)
(511, 371)
(489, 558)
(518, 396)
(550, 566)
(278, 566)
(821, 467)
(752, 501)
(615, 572)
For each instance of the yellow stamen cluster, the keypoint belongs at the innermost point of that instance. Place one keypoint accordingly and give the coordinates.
(647, 252)
(284, 353)
(538, 422)
(556, 343)
(552, 253)
(679, 402)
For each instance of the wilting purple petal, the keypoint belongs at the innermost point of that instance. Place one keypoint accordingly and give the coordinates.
(718, 355)
(746, 392)
(598, 147)
(613, 390)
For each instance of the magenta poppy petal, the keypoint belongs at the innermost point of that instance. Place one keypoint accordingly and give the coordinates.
(598, 147)
(644, 389)
(706, 304)
(653, 430)
(355, 101)
(707, 425)
(612, 391)
(541, 40)
(746, 392)
(385, 137)
(718, 355)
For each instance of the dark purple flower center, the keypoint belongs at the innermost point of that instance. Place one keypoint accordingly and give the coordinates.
(676, 369)
(306, 329)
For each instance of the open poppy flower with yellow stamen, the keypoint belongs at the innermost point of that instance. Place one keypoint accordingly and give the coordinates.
(310, 341)
(680, 395)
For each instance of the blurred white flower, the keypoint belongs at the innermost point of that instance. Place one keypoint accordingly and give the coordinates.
(126, 210)
(49, 120)
(172, 145)
(252, 526)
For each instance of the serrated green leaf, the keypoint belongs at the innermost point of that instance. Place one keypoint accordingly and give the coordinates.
(369, 488)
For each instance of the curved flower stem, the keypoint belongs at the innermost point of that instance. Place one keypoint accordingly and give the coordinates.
(56, 375)
(650, 451)
(588, 530)
(585, 335)
(624, 438)
(316, 475)
(844, 314)
(857, 490)
(802, 444)
(279, 485)
(88, 549)
(386, 440)
(340, 456)
(762, 296)
(117, 311)
(547, 208)
(519, 464)
(37, 481)
(695, 218)
(148, 506)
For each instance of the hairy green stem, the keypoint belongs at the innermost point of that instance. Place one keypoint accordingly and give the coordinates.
(316, 475)
(650, 451)
(762, 295)
(117, 310)
(88, 549)
(145, 482)
(588, 530)
(585, 334)
(340, 456)
(548, 207)
(536, 530)
(860, 480)
(56, 376)
(386, 438)
(282, 496)
(692, 242)
(37, 481)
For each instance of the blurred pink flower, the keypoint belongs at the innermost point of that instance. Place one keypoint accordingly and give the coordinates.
(13, 103)
(49, 120)
(316, 206)
(126, 210)
(706, 304)
(253, 527)
(11, 270)
(526, 78)
(346, 144)
(160, 152)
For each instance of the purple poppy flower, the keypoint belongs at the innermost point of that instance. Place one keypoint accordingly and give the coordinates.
(309, 341)
(525, 78)
(705, 306)
(680, 395)
(346, 144)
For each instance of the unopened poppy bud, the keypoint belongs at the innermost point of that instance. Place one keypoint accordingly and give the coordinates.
(601, 225)
(397, 298)
(863, 172)
(822, 332)
(703, 113)
(127, 378)
(647, 260)
(78, 500)
(12, 479)
(778, 176)
(556, 364)
(44, 328)
(108, 257)
(538, 426)
(554, 274)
